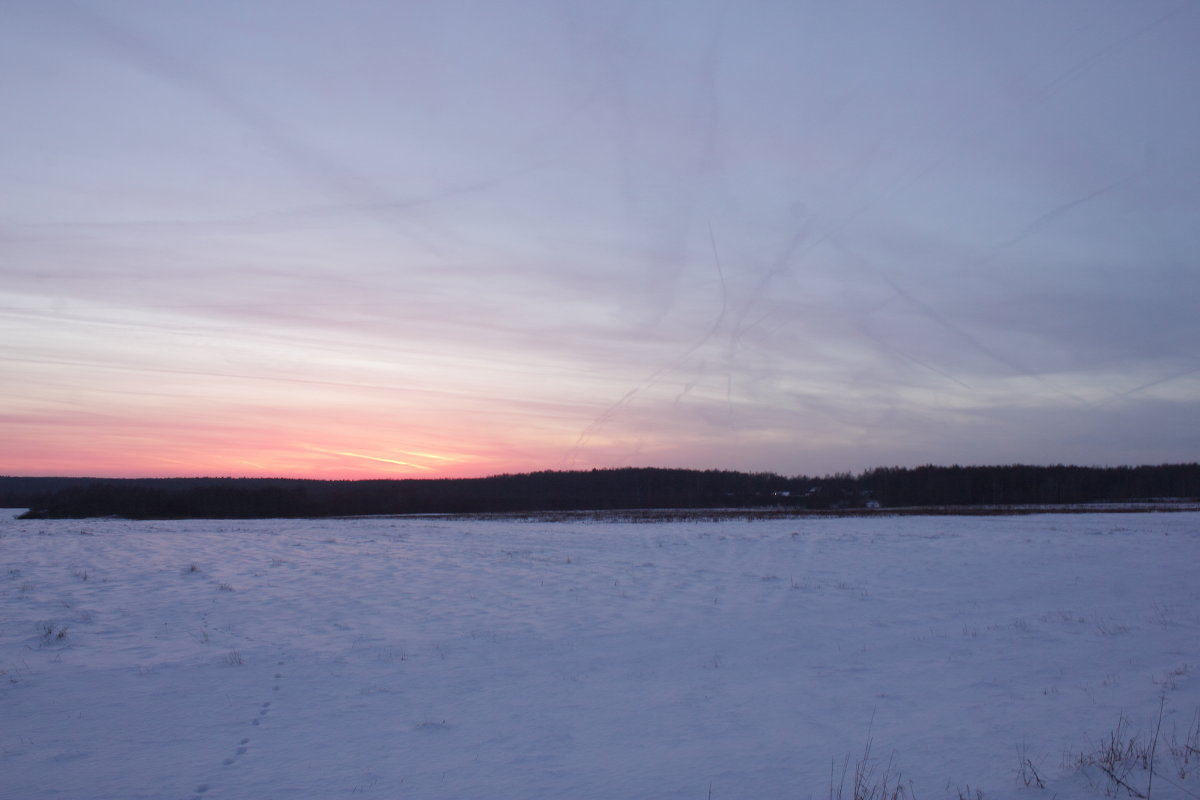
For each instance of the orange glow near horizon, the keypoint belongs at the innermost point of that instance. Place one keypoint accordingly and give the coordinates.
(302, 447)
(379, 459)
(166, 463)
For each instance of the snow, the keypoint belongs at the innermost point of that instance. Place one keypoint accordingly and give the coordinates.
(418, 658)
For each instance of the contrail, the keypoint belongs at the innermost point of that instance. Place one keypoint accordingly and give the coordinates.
(673, 365)
(1168, 378)
(315, 166)
(372, 458)
(828, 233)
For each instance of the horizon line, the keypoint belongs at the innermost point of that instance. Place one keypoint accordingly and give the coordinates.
(601, 469)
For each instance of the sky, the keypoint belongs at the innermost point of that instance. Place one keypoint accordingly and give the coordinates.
(401, 239)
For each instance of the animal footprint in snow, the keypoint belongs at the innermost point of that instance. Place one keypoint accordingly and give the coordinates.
(239, 751)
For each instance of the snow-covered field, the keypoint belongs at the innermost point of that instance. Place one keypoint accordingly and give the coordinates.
(394, 658)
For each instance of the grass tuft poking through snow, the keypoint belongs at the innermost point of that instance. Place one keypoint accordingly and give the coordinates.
(867, 781)
(1131, 762)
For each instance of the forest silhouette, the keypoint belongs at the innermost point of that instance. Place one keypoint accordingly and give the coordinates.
(965, 487)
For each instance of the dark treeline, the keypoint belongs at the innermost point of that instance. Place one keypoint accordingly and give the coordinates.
(1027, 485)
(630, 488)
(258, 497)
